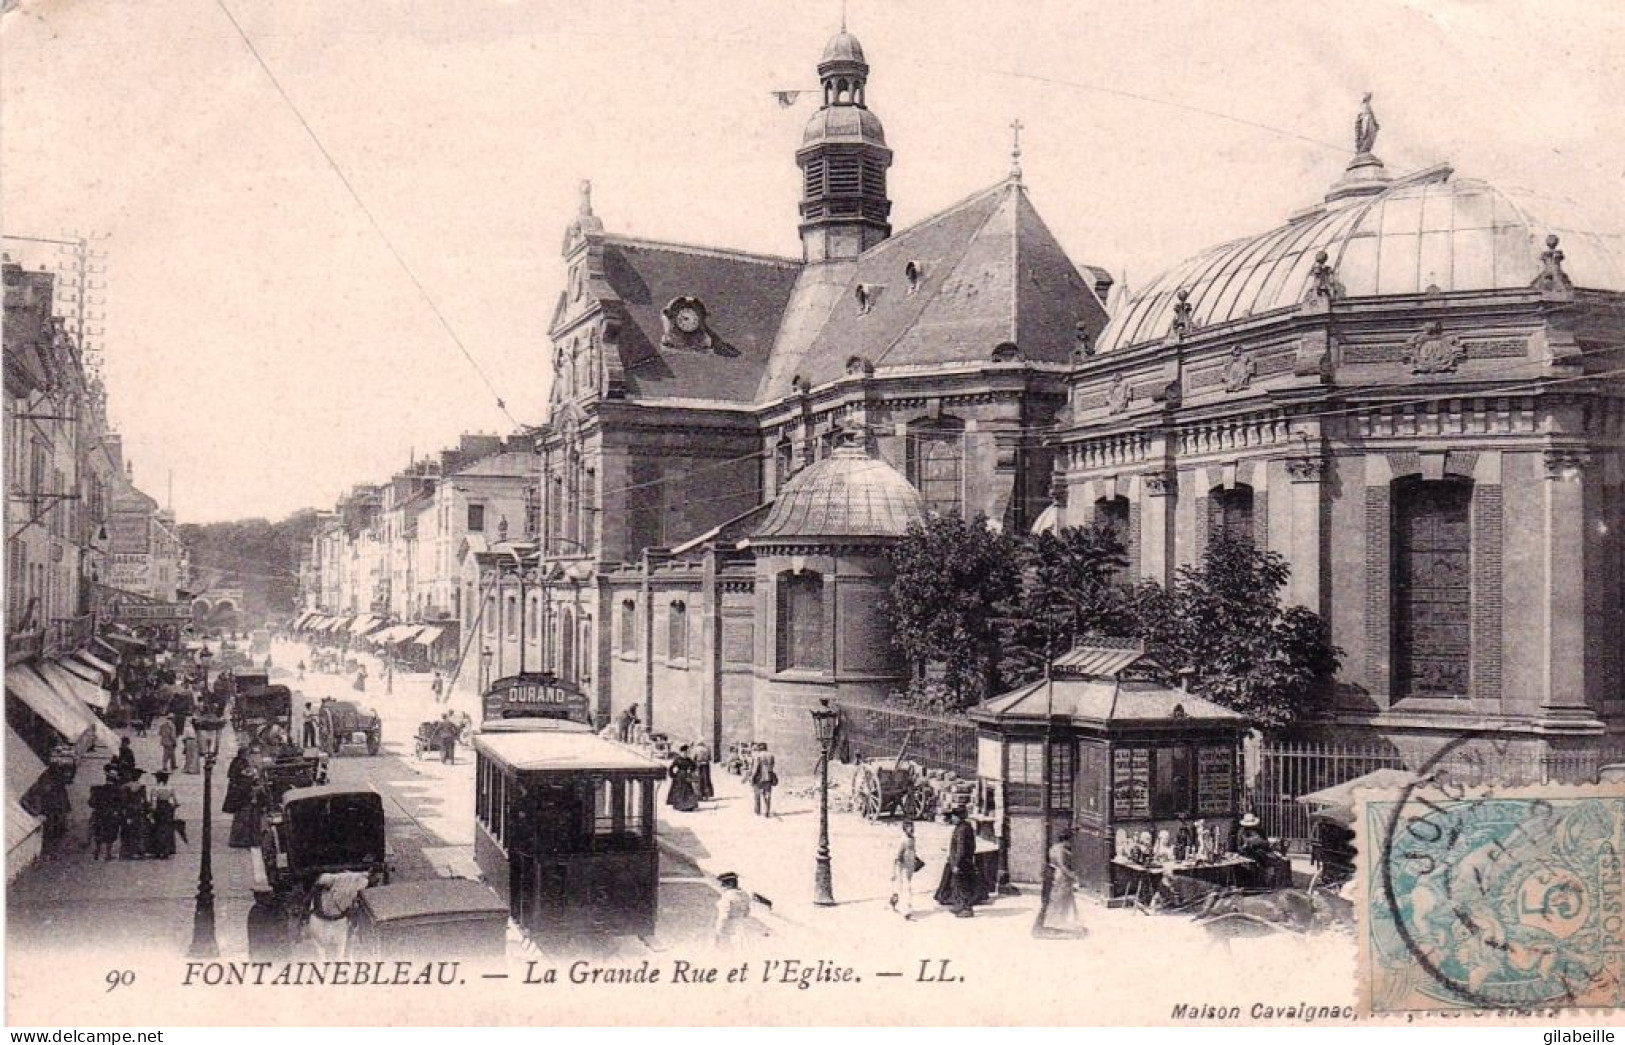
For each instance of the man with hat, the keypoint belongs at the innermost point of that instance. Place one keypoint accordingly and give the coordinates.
(1271, 871)
(733, 910)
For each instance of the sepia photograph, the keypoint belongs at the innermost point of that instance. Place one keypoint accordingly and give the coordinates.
(814, 513)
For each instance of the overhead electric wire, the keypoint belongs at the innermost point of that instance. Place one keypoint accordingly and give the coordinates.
(367, 212)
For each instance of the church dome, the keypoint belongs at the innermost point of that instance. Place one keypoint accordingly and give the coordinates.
(843, 123)
(843, 47)
(1420, 233)
(848, 494)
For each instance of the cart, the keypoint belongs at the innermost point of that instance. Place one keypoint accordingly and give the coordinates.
(900, 789)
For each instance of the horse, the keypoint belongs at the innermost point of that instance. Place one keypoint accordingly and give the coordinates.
(332, 903)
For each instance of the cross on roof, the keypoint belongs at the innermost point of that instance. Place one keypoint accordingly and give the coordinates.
(1015, 148)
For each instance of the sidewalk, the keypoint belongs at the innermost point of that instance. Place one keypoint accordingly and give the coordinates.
(775, 858)
(73, 901)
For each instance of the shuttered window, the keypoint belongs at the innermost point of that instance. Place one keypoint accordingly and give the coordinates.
(801, 622)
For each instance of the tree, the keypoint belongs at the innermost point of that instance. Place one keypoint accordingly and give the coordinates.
(1223, 624)
(1069, 589)
(950, 579)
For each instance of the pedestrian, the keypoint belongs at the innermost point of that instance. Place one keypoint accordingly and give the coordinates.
(189, 749)
(48, 799)
(905, 864)
(448, 731)
(166, 741)
(133, 829)
(629, 722)
(961, 887)
(437, 686)
(361, 680)
(763, 778)
(389, 677)
(106, 814)
(1059, 916)
(733, 911)
(309, 734)
(681, 797)
(125, 761)
(164, 825)
(701, 753)
(240, 801)
(301, 671)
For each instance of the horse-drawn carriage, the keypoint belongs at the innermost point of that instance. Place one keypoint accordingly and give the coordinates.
(312, 835)
(258, 709)
(340, 722)
(429, 735)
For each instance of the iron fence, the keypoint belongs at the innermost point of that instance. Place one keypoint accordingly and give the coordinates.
(882, 731)
(1287, 770)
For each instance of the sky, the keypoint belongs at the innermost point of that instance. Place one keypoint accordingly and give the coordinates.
(265, 345)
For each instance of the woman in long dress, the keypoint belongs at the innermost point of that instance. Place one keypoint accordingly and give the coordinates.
(701, 754)
(240, 802)
(164, 824)
(682, 797)
(189, 750)
(1060, 914)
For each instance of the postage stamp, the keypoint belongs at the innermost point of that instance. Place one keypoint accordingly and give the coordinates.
(1477, 898)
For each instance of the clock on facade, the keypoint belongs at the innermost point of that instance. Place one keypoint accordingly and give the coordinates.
(685, 322)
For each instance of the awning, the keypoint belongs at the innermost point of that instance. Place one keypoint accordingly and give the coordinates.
(84, 671)
(105, 652)
(124, 639)
(428, 636)
(339, 624)
(24, 834)
(365, 623)
(67, 716)
(88, 657)
(299, 621)
(67, 682)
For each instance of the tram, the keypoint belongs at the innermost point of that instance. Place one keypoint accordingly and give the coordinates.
(565, 820)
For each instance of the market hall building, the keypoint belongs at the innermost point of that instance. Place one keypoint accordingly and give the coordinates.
(1391, 389)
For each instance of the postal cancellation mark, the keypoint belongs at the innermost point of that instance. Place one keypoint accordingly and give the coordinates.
(1472, 899)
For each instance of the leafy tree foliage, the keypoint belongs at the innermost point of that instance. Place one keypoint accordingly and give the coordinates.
(1224, 625)
(1070, 588)
(950, 580)
(257, 555)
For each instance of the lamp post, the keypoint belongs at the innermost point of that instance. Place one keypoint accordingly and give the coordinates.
(485, 669)
(204, 944)
(825, 719)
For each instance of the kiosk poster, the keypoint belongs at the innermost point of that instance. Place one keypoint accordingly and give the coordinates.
(674, 458)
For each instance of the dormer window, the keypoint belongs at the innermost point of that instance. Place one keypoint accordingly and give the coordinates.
(914, 272)
(867, 294)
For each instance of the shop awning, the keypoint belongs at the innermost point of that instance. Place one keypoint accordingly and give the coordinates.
(88, 657)
(67, 716)
(339, 624)
(105, 652)
(301, 620)
(121, 638)
(74, 685)
(23, 829)
(365, 623)
(84, 671)
(428, 636)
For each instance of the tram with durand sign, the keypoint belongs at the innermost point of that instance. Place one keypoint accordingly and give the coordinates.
(565, 820)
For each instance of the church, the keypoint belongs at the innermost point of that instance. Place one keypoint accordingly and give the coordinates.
(1410, 389)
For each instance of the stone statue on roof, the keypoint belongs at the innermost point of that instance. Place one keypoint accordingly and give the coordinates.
(1365, 127)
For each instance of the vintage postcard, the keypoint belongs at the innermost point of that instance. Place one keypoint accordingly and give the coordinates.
(815, 513)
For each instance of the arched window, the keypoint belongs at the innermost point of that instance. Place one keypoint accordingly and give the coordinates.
(533, 614)
(676, 631)
(1112, 513)
(490, 614)
(586, 648)
(510, 616)
(1432, 586)
(801, 622)
(629, 626)
(1230, 513)
(936, 463)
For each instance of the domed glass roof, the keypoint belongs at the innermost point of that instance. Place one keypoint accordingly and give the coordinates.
(1425, 231)
(847, 494)
(842, 47)
(848, 122)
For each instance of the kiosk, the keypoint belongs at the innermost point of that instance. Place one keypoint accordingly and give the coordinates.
(1132, 763)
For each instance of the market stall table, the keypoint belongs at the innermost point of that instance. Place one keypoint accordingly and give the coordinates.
(1139, 882)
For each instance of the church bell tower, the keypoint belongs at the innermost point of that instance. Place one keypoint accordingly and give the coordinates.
(843, 160)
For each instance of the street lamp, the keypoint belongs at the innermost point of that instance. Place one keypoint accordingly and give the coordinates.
(204, 944)
(825, 719)
(485, 669)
